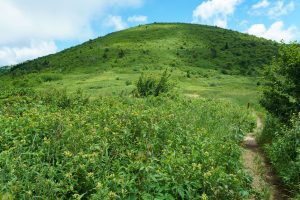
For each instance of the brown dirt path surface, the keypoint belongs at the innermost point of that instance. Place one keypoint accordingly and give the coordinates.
(264, 179)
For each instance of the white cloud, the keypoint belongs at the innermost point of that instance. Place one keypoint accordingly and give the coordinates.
(275, 32)
(261, 4)
(52, 20)
(14, 55)
(138, 19)
(215, 12)
(280, 9)
(219, 22)
(116, 22)
(243, 22)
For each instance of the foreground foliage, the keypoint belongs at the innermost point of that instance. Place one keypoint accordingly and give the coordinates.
(281, 134)
(282, 90)
(282, 147)
(53, 145)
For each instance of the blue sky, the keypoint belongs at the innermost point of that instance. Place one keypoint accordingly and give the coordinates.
(34, 28)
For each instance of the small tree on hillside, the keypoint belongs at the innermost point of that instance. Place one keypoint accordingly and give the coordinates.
(213, 52)
(152, 86)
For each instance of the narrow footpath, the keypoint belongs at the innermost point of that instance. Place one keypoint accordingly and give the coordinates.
(264, 179)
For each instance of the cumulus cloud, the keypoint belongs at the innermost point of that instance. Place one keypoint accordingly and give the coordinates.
(215, 12)
(14, 55)
(116, 22)
(52, 20)
(261, 4)
(275, 32)
(280, 9)
(137, 19)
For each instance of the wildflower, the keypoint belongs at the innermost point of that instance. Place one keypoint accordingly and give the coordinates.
(99, 185)
(112, 195)
(82, 166)
(68, 175)
(90, 174)
(207, 174)
(68, 153)
(46, 140)
(124, 191)
(196, 166)
(76, 196)
(204, 196)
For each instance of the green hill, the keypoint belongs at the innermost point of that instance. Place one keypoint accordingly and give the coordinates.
(200, 57)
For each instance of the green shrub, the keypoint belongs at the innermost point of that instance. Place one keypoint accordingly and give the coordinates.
(152, 86)
(188, 74)
(281, 133)
(128, 82)
(50, 77)
(282, 87)
(282, 147)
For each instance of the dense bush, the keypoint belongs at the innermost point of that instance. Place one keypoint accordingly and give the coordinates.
(150, 85)
(281, 98)
(120, 148)
(282, 147)
(50, 77)
(282, 89)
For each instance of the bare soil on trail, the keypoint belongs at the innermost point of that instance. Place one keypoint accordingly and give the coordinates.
(264, 178)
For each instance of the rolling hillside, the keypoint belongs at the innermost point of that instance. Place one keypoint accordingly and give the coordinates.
(205, 61)
(164, 45)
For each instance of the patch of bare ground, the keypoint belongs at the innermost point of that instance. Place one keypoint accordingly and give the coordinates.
(264, 179)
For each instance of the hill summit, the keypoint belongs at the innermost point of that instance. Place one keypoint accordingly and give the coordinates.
(163, 45)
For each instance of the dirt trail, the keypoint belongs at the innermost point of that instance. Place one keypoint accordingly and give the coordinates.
(264, 179)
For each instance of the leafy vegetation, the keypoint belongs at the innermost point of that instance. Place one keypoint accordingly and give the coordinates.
(282, 130)
(282, 92)
(59, 146)
(282, 145)
(150, 85)
(57, 143)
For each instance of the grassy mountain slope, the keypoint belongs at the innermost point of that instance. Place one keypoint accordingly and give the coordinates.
(201, 59)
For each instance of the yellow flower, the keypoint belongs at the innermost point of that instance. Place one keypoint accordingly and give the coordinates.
(99, 185)
(124, 191)
(204, 196)
(76, 196)
(90, 174)
(112, 195)
(207, 174)
(46, 140)
(82, 166)
(68, 175)
(196, 166)
(68, 153)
